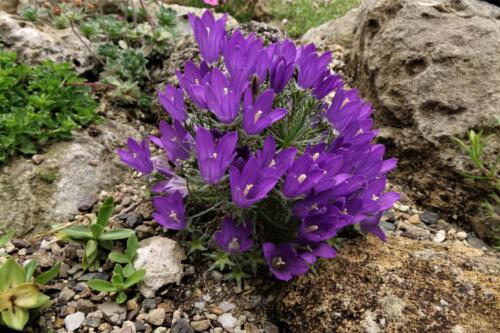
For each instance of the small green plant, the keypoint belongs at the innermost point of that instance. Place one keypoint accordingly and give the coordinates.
(167, 17)
(30, 14)
(7, 237)
(96, 237)
(39, 103)
(20, 292)
(123, 277)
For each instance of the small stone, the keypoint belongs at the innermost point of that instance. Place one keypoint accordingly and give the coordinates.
(217, 310)
(251, 328)
(388, 226)
(9, 247)
(74, 321)
(403, 208)
(457, 329)
(132, 304)
(200, 325)
(181, 326)
(134, 219)
(429, 217)
(218, 330)
(87, 203)
(167, 307)
(66, 294)
(156, 317)
(226, 306)
(227, 321)
(461, 235)
(113, 312)
(128, 327)
(200, 305)
(85, 306)
(20, 243)
(37, 159)
(94, 319)
(439, 237)
(148, 304)
(94, 130)
(160, 330)
(414, 219)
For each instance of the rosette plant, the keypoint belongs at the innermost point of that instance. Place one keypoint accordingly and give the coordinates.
(266, 152)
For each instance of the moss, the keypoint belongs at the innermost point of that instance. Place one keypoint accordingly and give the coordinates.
(47, 175)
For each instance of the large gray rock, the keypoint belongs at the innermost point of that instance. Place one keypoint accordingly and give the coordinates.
(431, 68)
(36, 43)
(161, 257)
(34, 197)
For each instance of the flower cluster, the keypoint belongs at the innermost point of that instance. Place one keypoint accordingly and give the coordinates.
(265, 150)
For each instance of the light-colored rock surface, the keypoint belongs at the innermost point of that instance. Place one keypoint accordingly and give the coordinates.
(36, 43)
(9, 6)
(402, 285)
(73, 321)
(161, 257)
(36, 196)
(432, 71)
(113, 312)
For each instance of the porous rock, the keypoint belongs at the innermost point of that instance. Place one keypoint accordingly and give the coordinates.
(161, 257)
(431, 70)
(396, 286)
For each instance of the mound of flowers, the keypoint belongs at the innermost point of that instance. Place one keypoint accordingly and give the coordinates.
(266, 155)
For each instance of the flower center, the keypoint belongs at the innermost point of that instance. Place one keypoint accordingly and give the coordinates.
(272, 164)
(257, 116)
(278, 263)
(173, 216)
(226, 91)
(214, 155)
(312, 228)
(314, 207)
(247, 189)
(344, 211)
(234, 244)
(301, 178)
(315, 156)
(375, 198)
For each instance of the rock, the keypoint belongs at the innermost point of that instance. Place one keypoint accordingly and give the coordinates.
(200, 325)
(429, 217)
(134, 219)
(251, 328)
(85, 306)
(114, 313)
(37, 159)
(412, 231)
(129, 326)
(162, 258)
(227, 321)
(66, 294)
(414, 219)
(9, 6)
(94, 319)
(461, 235)
(87, 203)
(226, 306)
(73, 178)
(439, 237)
(365, 283)
(181, 326)
(270, 328)
(417, 63)
(34, 44)
(156, 317)
(74, 321)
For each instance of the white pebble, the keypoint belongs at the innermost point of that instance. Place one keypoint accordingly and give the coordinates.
(74, 321)
(439, 237)
(461, 235)
(227, 321)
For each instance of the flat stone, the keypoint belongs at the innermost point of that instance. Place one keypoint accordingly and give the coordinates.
(181, 326)
(439, 237)
(66, 294)
(74, 321)
(85, 306)
(227, 321)
(429, 217)
(114, 313)
(200, 325)
(156, 317)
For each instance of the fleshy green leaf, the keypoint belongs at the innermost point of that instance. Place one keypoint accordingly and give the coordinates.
(116, 234)
(7, 237)
(135, 278)
(16, 318)
(121, 298)
(43, 301)
(11, 274)
(90, 248)
(119, 258)
(105, 212)
(97, 230)
(25, 295)
(132, 246)
(101, 285)
(48, 275)
(30, 270)
(77, 232)
(128, 270)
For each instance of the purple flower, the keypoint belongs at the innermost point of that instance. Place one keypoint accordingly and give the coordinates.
(172, 185)
(209, 34)
(301, 177)
(282, 61)
(325, 84)
(170, 211)
(250, 185)
(138, 156)
(259, 115)
(175, 140)
(224, 96)
(214, 156)
(194, 81)
(322, 227)
(371, 225)
(172, 101)
(312, 67)
(234, 239)
(274, 164)
(283, 261)
(310, 251)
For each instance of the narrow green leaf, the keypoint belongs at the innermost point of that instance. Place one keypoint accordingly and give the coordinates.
(48, 275)
(119, 258)
(90, 248)
(11, 274)
(30, 269)
(97, 230)
(7, 237)
(135, 278)
(101, 285)
(117, 279)
(116, 234)
(132, 246)
(105, 212)
(77, 232)
(121, 298)
(128, 270)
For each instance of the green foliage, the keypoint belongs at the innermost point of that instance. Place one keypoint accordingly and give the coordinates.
(30, 14)
(38, 103)
(124, 277)
(301, 15)
(95, 237)
(20, 292)
(486, 172)
(7, 237)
